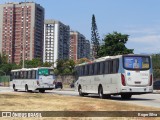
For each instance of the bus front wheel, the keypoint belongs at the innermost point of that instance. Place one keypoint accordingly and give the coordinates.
(126, 96)
(100, 92)
(80, 91)
(26, 88)
(14, 87)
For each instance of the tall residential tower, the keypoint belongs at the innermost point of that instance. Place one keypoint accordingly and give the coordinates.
(21, 29)
(79, 46)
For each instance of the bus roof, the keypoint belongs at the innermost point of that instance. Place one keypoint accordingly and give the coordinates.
(110, 57)
(28, 69)
(101, 59)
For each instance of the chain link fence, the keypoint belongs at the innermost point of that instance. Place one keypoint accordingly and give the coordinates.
(5, 81)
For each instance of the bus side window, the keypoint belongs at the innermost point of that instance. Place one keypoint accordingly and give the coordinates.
(115, 66)
(14, 75)
(95, 69)
(86, 69)
(80, 71)
(25, 74)
(102, 68)
(33, 74)
(11, 76)
(77, 73)
(21, 74)
(98, 68)
(111, 67)
(29, 75)
(106, 69)
(83, 70)
(90, 69)
(18, 75)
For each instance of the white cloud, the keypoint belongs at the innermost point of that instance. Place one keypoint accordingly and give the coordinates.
(148, 49)
(143, 39)
(149, 39)
(141, 31)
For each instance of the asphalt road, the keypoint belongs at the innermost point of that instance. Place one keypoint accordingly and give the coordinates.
(152, 100)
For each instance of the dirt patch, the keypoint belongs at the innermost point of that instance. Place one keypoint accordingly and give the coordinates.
(51, 102)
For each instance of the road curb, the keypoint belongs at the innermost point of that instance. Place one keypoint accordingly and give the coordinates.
(156, 91)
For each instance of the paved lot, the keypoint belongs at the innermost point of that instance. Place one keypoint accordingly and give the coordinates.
(152, 100)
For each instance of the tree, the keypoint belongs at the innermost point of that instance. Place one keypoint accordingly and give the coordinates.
(64, 67)
(82, 60)
(156, 66)
(94, 38)
(114, 44)
(3, 59)
(47, 64)
(0, 59)
(36, 62)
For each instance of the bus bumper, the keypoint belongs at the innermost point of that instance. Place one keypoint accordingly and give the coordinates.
(136, 90)
(45, 87)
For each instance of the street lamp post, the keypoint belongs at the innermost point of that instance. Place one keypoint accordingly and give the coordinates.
(24, 32)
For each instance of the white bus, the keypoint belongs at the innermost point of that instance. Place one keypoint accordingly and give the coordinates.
(30, 79)
(124, 75)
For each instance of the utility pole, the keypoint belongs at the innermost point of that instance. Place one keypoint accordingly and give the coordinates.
(24, 32)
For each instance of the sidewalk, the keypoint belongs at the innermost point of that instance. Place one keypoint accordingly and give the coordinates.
(6, 89)
(64, 89)
(156, 91)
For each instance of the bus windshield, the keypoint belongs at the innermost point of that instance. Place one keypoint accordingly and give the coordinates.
(45, 72)
(136, 62)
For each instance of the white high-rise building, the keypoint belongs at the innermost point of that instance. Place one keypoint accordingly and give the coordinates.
(56, 41)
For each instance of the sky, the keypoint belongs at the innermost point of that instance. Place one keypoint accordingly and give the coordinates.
(140, 19)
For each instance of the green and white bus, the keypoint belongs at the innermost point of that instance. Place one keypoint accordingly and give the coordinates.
(31, 79)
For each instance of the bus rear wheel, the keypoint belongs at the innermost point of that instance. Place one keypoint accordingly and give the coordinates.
(126, 96)
(100, 93)
(26, 88)
(80, 91)
(41, 91)
(14, 87)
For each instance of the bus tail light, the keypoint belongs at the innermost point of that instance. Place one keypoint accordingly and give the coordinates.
(123, 80)
(38, 83)
(150, 80)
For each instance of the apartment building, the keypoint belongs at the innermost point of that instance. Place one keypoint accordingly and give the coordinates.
(56, 41)
(79, 46)
(21, 31)
(88, 49)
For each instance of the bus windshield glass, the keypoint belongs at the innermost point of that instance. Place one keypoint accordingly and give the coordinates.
(136, 62)
(45, 72)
